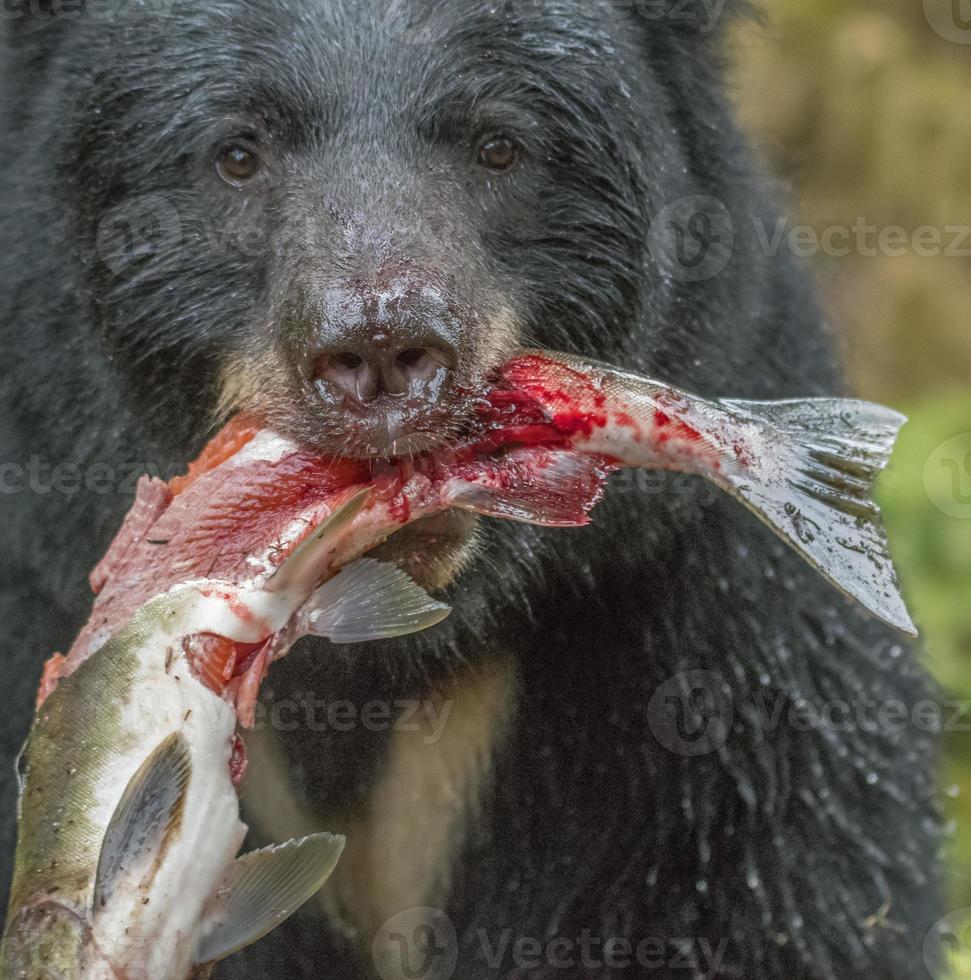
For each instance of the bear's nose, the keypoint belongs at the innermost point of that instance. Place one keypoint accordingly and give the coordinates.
(386, 367)
(397, 342)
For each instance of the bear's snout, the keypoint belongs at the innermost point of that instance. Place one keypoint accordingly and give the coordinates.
(378, 358)
(377, 341)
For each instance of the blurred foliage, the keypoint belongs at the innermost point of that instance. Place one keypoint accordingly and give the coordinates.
(932, 548)
(865, 111)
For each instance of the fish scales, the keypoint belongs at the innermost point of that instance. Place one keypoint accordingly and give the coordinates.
(129, 818)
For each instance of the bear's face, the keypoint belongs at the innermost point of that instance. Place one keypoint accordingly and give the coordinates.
(344, 215)
(456, 176)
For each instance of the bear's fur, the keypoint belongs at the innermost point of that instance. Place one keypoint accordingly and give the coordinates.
(581, 790)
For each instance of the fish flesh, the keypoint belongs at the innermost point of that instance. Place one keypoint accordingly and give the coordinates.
(805, 467)
(547, 432)
(252, 496)
(128, 816)
(214, 575)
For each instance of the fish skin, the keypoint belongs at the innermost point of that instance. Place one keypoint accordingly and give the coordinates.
(87, 741)
(91, 723)
(796, 464)
(93, 736)
(804, 467)
(558, 489)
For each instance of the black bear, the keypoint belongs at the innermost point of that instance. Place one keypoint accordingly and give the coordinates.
(646, 748)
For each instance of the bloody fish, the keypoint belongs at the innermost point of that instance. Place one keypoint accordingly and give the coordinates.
(215, 574)
(805, 467)
(129, 818)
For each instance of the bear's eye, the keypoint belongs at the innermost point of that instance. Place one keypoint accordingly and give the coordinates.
(237, 163)
(498, 154)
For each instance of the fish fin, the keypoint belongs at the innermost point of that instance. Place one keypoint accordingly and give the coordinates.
(149, 808)
(263, 888)
(309, 560)
(21, 769)
(551, 488)
(371, 600)
(813, 487)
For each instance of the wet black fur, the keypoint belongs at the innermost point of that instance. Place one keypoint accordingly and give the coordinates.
(812, 853)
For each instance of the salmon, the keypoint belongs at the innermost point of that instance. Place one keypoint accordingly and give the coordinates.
(129, 820)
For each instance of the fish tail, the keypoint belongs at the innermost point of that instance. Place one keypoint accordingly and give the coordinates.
(809, 476)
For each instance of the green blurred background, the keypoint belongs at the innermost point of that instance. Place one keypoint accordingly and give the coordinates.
(863, 107)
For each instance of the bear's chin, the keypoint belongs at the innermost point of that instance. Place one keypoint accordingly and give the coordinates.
(433, 550)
